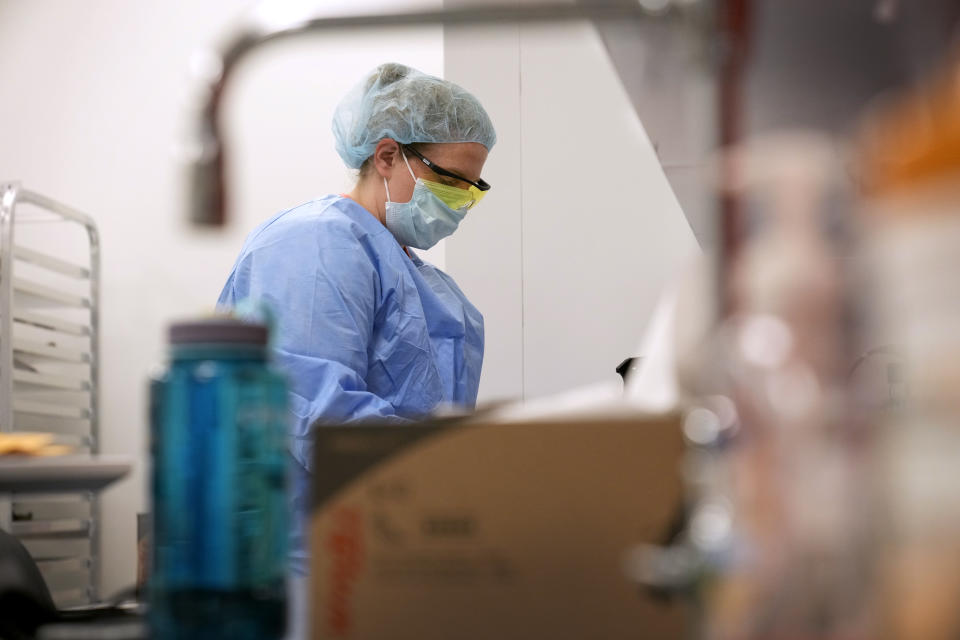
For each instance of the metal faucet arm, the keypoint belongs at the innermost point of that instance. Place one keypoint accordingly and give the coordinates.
(213, 69)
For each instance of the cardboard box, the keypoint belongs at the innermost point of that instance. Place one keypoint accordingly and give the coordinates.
(492, 531)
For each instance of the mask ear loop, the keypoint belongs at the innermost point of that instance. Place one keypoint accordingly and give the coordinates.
(408, 164)
(409, 168)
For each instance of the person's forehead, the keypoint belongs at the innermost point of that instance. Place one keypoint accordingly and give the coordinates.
(464, 158)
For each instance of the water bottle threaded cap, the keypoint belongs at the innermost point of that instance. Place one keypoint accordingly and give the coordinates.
(218, 331)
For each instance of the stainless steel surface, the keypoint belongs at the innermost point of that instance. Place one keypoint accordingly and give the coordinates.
(35, 294)
(80, 444)
(807, 65)
(820, 64)
(53, 549)
(63, 580)
(206, 152)
(64, 211)
(8, 198)
(668, 68)
(43, 321)
(28, 507)
(57, 566)
(36, 392)
(28, 348)
(77, 429)
(62, 473)
(67, 383)
(39, 408)
(51, 498)
(51, 262)
(50, 527)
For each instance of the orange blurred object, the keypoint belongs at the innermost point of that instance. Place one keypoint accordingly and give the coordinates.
(914, 141)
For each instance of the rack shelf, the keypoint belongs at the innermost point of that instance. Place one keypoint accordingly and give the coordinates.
(51, 527)
(62, 428)
(50, 350)
(49, 409)
(51, 263)
(32, 294)
(49, 567)
(57, 548)
(30, 507)
(64, 473)
(41, 321)
(50, 381)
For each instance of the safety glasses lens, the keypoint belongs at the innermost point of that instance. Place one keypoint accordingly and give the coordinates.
(455, 197)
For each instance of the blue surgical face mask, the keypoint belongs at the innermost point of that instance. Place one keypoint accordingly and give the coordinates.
(425, 220)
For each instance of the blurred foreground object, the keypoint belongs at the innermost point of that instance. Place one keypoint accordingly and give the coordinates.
(788, 473)
(219, 449)
(492, 528)
(910, 156)
(815, 513)
(777, 536)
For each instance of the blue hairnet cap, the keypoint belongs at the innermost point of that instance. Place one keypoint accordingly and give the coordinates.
(406, 105)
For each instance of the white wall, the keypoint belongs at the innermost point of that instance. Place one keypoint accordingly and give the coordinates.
(568, 253)
(485, 255)
(93, 97)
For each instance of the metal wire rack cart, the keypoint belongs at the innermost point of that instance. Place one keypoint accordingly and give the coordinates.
(49, 299)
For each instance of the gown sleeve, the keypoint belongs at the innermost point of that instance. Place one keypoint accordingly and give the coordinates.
(324, 289)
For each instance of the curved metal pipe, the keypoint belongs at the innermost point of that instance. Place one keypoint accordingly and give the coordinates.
(206, 153)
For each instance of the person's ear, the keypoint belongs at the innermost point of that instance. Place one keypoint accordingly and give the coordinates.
(386, 156)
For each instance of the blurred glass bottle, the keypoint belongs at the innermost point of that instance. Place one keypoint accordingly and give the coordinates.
(796, 472)
(910, 159)
(218, 443)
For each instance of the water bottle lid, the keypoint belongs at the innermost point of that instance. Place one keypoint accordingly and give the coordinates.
(218, 331)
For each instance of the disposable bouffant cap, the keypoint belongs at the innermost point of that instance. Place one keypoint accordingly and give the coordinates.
(218, 331)
(398, 102)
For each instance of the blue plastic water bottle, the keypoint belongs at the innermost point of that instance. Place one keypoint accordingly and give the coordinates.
(218, 441)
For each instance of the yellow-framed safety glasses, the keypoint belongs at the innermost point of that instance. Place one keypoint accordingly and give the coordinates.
(453, 197)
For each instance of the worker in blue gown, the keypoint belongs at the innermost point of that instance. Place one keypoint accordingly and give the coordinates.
(366, 330)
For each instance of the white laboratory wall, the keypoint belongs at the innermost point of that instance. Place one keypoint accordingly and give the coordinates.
(485, 255)
(568, 254)
(92, 99)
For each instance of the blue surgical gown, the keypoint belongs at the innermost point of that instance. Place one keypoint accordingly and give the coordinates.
(364, 331)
